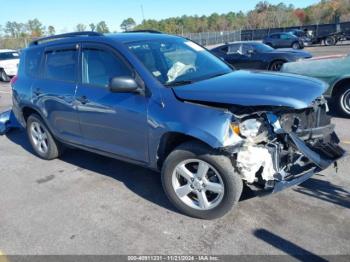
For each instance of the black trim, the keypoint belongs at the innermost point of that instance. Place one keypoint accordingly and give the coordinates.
(74, 34)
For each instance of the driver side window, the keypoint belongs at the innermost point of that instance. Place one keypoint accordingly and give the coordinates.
(99, 66)
(235, 49)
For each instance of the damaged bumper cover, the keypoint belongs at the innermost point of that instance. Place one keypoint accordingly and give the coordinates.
(8, 121)
(321, 156)
(286, 148)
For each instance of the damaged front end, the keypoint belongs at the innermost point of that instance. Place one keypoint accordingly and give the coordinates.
(277, 148)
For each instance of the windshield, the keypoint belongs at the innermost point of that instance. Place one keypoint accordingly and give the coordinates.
(9, 55)
(262, 48)
(178, 61)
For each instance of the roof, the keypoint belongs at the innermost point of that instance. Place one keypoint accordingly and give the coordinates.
(118, 37)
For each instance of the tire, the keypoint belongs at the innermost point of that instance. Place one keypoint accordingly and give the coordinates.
(329, 41)
(220, 177)
(38, 135)
(342, 101)
(276, 65)
(3, 76)
(296, 45)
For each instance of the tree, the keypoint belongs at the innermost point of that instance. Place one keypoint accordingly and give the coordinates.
(102, 27)
(35, 28)
(92, 27)
(128, 24)
(51, 30)
(81, 27)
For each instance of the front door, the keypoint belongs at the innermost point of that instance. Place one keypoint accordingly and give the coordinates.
(111, 122)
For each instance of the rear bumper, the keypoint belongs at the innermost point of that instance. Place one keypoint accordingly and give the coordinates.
(7, 122)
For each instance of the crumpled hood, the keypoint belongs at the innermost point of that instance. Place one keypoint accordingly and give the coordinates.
(255, 88)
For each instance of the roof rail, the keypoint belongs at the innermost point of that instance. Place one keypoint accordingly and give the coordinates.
(144, 31)
(61, 36)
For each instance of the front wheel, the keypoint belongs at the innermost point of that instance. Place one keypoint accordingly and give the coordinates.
(296, 45)
(200, 182)
(342, 100)
(330, 41)
(276, 65)
(3, 76)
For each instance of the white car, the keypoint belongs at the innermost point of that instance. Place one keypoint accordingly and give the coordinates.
(9, 60)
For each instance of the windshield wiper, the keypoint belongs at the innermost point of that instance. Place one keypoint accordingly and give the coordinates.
(180, 83)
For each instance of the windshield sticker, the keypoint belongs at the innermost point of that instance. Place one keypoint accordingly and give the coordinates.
(194, 46)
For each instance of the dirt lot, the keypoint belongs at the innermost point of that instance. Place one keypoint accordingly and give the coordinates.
(89, 204)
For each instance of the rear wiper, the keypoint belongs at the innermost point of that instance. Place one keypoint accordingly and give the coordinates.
(180, 83)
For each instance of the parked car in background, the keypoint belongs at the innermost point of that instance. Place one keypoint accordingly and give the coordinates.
(284, 40)
(255, 55)
(334, 71)
(9, 60)
(166, 103)
(303, 35)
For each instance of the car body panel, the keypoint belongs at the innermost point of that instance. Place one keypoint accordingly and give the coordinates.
(269, 89)
(330, 71)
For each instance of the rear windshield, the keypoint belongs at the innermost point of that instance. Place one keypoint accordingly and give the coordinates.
(9, 55)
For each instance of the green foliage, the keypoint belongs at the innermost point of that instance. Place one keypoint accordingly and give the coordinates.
(128, 24)
(80, 27)
(102, 27)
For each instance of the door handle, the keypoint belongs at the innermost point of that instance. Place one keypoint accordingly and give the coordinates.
(83, 100)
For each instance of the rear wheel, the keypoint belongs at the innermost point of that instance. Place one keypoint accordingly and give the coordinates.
(43, 143)
(3, 76)
(200, 182)
(342, 100)
(276, 65)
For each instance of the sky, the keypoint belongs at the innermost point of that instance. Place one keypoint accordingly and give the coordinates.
(64, 15)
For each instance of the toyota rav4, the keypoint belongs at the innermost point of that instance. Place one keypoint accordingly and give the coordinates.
(166, 103)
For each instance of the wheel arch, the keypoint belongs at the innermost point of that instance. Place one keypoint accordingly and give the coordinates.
(169, 141)
(339, 84)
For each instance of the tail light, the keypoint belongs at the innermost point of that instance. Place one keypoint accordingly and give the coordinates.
(14, 80)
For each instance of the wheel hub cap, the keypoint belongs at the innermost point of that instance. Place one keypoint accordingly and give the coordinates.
(198, 184)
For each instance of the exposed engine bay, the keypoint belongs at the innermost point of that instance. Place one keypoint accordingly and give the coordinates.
(277, 149)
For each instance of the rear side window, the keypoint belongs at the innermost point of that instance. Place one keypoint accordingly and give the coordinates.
(9, 55)
(61, 65)
(99, 66)
(32, 62)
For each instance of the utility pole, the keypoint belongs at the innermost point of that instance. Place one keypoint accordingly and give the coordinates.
(142, 13)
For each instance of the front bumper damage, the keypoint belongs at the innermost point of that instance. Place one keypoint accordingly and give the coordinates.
(8, 121)
(296, 146)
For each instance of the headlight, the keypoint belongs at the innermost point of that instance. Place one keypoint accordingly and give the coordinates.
(250, 128)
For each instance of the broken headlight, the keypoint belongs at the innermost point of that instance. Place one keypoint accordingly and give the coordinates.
(251, 128)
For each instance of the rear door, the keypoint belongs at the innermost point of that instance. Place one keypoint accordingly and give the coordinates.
(111, 122)
(54, 91)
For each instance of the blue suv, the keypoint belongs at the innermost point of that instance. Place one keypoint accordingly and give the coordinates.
(166, 103)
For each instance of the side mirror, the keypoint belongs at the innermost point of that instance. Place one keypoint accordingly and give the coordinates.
(123, 84)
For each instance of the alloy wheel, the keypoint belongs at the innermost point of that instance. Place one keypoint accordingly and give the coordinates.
(345, 101)
(39, 137)
(198, 184)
